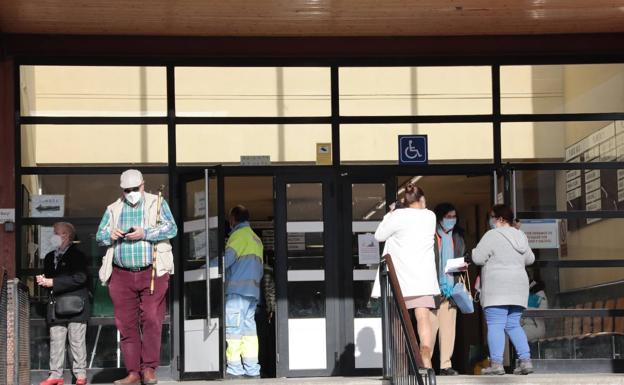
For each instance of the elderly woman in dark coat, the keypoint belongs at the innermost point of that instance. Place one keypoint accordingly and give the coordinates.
(66, 275)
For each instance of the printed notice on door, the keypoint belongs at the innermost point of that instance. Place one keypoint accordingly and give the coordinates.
(368, 249)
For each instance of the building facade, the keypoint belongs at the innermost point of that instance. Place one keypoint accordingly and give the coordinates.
(538, 128)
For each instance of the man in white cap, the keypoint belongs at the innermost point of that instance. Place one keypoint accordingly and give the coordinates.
(137, 228)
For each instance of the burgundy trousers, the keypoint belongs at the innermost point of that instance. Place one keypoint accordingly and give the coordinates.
(139, 316)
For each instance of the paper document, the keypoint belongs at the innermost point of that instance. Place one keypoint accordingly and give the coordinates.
(455, 265)
(368, 249)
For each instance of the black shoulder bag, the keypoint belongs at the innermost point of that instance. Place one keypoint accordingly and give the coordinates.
(65, 306)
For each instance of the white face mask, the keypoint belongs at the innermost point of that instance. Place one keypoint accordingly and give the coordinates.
(133, 197)
(56, 241)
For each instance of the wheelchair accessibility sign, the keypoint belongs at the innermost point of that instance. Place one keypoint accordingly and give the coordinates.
(412, 149)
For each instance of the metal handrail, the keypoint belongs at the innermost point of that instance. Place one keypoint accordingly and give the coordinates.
(402, 362)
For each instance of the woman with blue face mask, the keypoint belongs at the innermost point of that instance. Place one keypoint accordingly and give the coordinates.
(449, 244)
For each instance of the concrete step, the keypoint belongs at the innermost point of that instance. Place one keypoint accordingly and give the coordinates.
(533, 379)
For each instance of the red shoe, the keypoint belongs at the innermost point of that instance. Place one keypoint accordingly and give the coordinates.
(53, 381)
(81, 381)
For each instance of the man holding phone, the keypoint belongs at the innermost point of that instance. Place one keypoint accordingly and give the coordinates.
(137, 228)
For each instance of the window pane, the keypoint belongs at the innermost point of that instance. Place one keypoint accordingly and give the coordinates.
(601, 141)
(415, 91)
(570, 190)
(253, 91)
(555, 89)
(93, 91)
(447, 142)
(82, 195)
(226, 144)
(573, 288)
(81, 145)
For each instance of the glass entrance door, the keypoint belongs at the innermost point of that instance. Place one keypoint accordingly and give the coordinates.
(306, 275)
(365, 202)
(202, 338)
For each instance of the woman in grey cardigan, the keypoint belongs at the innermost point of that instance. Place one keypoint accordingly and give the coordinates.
(504, 252)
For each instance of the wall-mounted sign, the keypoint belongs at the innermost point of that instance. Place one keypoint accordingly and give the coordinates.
(542, 233)
(413, 149)
(595, 190)
(268, 239)
(7, 215)
(296, 241)
(323, 154)
(47, 206)
(255, 160)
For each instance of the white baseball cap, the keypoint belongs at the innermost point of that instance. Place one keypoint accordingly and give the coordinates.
(131, 178)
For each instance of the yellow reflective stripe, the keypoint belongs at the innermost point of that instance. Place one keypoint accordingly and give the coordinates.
(245, 242)
(250, 346)
(250, 256)
(234, 349)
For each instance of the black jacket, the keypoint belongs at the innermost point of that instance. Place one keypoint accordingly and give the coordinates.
(71, 276)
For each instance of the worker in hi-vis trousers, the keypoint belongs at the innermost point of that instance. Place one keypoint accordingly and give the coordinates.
(243, 273)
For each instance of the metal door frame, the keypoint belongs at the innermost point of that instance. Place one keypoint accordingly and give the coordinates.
(180, 295)
(346, 309)
(332, 304)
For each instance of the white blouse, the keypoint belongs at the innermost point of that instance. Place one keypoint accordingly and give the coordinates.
(409, 234)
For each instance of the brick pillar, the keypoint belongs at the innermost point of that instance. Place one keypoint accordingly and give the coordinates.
(7, 161)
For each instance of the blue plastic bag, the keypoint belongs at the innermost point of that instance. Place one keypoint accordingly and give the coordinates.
(534, 300)
(462, 297)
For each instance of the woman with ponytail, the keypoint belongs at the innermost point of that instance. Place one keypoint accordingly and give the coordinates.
(409, 234)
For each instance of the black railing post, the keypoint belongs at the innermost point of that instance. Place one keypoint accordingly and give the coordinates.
(383, 282)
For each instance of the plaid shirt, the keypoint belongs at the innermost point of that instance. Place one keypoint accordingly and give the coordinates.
(135, 254)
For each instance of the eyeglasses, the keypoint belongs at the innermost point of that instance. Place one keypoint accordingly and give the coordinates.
(133, 189)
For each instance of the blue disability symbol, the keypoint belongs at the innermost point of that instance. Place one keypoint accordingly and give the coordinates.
(412, 149)
(412, 152)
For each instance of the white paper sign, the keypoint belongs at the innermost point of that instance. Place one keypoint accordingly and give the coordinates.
(500, 198)
(47, 206)
(7, 215)
(542, 233)
(45, 232)
(199, 245)
(368, 249)
(200, 204)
